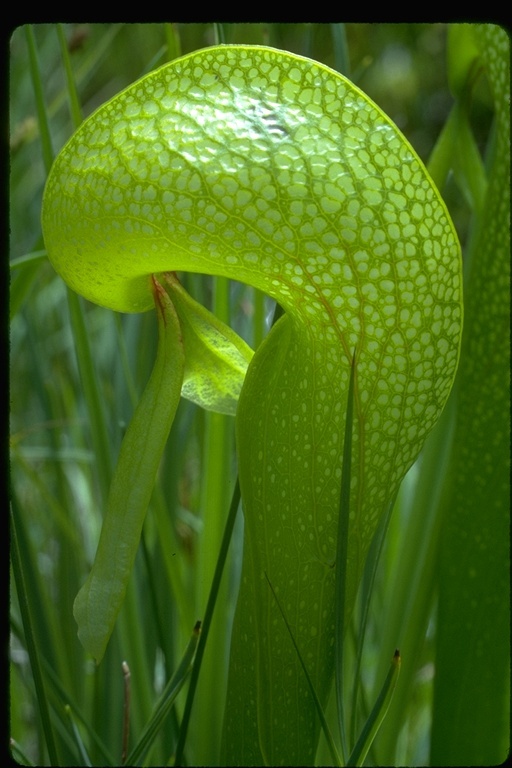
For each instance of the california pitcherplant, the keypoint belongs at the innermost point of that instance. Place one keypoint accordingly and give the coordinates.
(253, 164)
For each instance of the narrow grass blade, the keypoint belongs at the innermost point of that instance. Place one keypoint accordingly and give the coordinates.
(325, 727)
(60, 698)
(74, 101)
(42, 116)
(370, 571)
(341, 558)
(226, 539)
(34, 258)
(407, 596)
(216, 488)
(92, 393)
(87, 371)
(456, 150)
(32, 646)
(88, 374)
(173, 41)
(220, 35)
(165, 702)
(82, 751)
(340, 48)
(377, 714)
(18, 754)
(23, 274)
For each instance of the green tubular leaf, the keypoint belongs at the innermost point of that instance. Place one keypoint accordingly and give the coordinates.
(274, 170)
(216, 358)
(471, 721)
(99, 600)
(377, 714)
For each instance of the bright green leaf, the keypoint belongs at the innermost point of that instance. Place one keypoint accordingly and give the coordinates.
(99, 600)
(216, 358)
(274, 170)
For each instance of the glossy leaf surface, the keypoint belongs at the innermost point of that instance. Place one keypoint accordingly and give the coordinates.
(272, 169)
(216, 358)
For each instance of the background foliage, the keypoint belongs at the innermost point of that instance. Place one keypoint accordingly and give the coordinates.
(442, 580)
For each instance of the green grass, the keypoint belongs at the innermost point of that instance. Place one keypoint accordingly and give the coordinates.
(438, 586)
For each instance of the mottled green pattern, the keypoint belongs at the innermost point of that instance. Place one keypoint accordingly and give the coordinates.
(216, 358)
(274, 170)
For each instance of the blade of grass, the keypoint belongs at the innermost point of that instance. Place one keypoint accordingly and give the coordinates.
(36, 257)
(88, 376)
(74, 102)
(220, 35)
(340, 47)
(217, 451)
(412, 563)
(370, 572)
(377, 714)
(226, 539)
(126, 711)
(30, 640)
(258, 320)
(166, 701)
(92, 59)
(23, 276)
(325, 727)
(129, 632)
(82, 751)
(87, 372)
(45, 622)
(173, 41)
(19, 755)
(91, 389)
(37, 83)
(341, 559)
(456, 150)
(62, 699)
